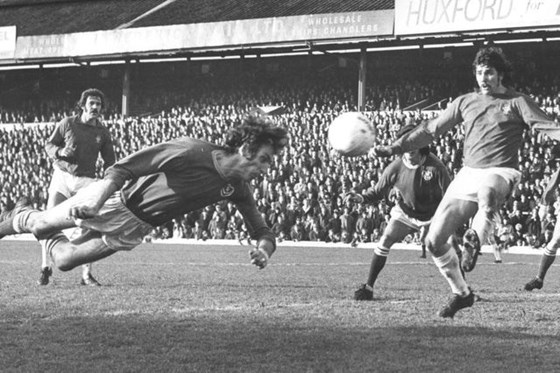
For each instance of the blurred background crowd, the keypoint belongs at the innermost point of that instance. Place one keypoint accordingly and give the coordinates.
(300, 198)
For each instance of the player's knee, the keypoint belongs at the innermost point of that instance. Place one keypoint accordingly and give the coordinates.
(63, 262)
(430, 244)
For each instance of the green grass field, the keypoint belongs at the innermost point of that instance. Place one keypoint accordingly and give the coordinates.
(183, 308)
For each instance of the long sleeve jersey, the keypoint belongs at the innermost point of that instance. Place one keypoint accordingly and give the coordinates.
(167, 180)
(421, 189)
(494, 127)
(88, 142)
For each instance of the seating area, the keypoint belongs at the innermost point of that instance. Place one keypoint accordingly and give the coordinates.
(300, 198)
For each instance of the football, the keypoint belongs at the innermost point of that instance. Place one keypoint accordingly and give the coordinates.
(351, 134)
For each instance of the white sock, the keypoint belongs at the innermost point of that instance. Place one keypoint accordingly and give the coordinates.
(448, 265)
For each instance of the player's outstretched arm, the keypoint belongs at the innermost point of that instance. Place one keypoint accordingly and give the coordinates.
(385, 151)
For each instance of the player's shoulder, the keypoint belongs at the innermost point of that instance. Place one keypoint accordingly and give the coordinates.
(519, 96)
(66, 121)
(193, 142)
(433, 160)
(191, 146)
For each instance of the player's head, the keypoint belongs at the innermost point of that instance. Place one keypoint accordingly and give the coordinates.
(91, 92)
(91, 103)
(491, 68)
(257, 139)
(254, 132)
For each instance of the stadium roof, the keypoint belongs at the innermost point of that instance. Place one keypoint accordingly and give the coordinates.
(47, 17)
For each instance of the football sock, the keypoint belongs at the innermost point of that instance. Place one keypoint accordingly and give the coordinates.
(15, 224)
(51, 242)
(377, 264)
(448, 265)
(497, 252)
(546, 262)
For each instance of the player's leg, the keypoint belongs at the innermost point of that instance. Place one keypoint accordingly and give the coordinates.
(547, 258)
(496, 249)
(491, 195)
(25, 219)
(54, 199)
(423, 234)
(87, 277)
(394, 232)
(66, 254)
(451, 214)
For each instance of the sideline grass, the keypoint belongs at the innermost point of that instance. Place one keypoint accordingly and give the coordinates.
(188, 309)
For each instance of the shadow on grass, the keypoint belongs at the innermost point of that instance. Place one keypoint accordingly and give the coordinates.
(245, 342)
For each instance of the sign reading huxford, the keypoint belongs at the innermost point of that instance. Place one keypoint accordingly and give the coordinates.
(207, 35)
(413, 17)
(7, 42)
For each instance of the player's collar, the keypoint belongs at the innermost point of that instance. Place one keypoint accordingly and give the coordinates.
(413, 166)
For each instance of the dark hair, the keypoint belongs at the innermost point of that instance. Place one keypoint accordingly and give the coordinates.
(254, 131)
(409, 128)
(493, 56)
(91, 92)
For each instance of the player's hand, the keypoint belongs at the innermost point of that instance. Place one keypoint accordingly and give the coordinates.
(259, 257)
(89, 200)
(83, 211)
(352, 197)
(382, 151)
(67, 152)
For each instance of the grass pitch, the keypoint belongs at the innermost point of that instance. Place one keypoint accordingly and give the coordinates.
(187, 308)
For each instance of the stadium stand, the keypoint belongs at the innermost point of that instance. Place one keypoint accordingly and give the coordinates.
(300, 196)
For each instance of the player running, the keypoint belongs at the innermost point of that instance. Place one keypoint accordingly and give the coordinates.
(74, 147)
(494, 118)
(153, 186)
(421, 179)
(549, 253)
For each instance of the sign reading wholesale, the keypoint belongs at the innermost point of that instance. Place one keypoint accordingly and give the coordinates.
(413, 17)
(206, 35)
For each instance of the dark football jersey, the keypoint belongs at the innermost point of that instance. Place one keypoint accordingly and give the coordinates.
(167, 180)
(421, 189)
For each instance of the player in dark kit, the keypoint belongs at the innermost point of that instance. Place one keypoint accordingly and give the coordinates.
(549, 253)
(494, 118)
(421, 179)
(74, 147)
(153, 186)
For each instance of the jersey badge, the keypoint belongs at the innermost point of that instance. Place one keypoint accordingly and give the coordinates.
(506, 108)
(427, 175)
(98, 139)
(227, 190)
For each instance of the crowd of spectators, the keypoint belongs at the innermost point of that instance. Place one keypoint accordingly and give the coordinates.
(300, 197)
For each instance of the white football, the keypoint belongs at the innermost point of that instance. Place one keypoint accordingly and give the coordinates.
(352, 134)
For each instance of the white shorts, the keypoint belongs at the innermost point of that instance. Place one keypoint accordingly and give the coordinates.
(398, 214)
(468, 181)
(120, 229)
(67, 184)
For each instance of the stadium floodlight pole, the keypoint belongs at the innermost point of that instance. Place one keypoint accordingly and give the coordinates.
(362, 80)
(125, 109)
(362, 68)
